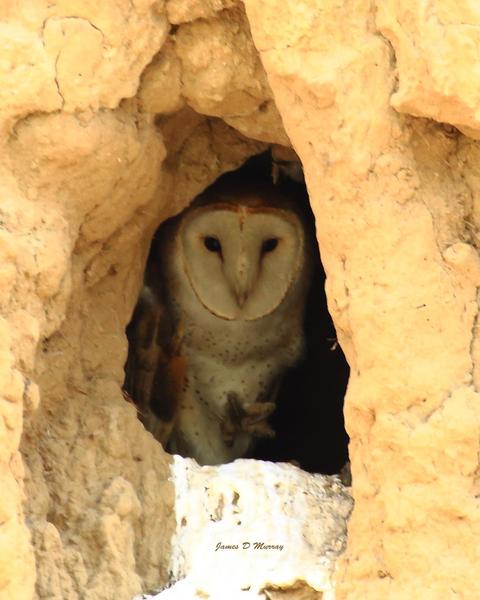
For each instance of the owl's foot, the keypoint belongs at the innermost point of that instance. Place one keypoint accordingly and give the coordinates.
(251, 419)
(254, 421)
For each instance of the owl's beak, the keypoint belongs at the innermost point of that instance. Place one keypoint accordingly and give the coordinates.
(241, 288)
(244, 279)
(241, 298)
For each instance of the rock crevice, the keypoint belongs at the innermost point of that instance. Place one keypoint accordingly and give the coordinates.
(113, 121)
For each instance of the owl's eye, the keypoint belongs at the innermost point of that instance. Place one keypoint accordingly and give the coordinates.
(269, 245)
(212, 244)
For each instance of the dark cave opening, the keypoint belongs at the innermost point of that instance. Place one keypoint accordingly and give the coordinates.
(308, 419)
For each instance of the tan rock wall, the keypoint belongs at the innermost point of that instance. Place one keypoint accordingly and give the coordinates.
(86, 177)
(436, 48)
(112, 120)
(395, 202)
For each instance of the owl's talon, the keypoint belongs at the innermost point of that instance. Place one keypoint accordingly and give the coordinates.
(257, 412)
(251, 419)
(260, 430)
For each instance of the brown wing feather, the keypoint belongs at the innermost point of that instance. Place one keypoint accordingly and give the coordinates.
(154, 370)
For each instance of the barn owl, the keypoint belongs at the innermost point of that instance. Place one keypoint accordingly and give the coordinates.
(220, 320)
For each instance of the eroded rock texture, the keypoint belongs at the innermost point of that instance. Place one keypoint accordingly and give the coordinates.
(255, 530)
(396, 204)
(436, 48)
(114, 114)
(86, 177)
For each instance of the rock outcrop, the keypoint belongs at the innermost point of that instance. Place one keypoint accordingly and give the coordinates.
(114, 115)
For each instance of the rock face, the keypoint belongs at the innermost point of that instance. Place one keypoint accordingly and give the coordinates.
(115, 114)
(395, 199)
(436, 53)
(250, 529)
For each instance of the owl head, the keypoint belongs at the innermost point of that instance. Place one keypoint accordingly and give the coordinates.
(243, 248)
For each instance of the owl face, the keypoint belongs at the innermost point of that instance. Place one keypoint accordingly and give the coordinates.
(241, 260)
